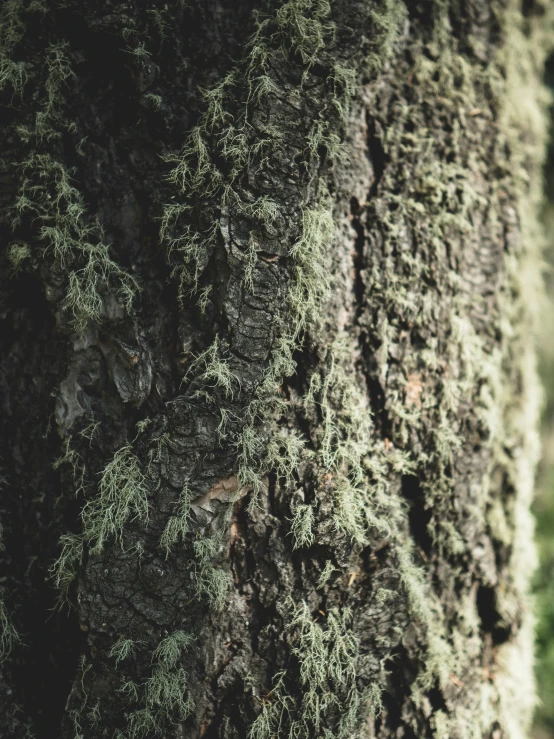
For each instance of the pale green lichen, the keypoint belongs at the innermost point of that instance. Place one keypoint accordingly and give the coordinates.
(170, 649)
(122, 497)
(213, 372)
(283, 455)
(302, 525)
(359, 465)
(122, 649)
(212, 582)
(64, 570)
(434, 210)
(177, 526)
(155, 101)
(310, 284)
(165, 695)
(18, 252)
(9, 635)
(304, 27)
(49, 197)
(322, 698)
(326, 574)
(12, 29)
(443, 199)
(90, 431)
(66, 567)
(344, 448)
(49, 117)
(73, 459)
(523, 124)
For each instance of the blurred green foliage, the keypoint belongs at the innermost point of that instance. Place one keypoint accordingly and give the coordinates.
(544, 594)
(544, 501)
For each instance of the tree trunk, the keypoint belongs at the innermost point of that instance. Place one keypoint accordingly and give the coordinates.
(268, 386)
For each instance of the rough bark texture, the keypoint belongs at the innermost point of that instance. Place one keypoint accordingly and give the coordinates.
(268, 391)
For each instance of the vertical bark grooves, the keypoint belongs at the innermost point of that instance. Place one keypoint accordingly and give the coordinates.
(268, 392)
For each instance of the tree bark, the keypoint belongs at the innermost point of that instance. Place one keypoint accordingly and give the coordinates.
(268, 387)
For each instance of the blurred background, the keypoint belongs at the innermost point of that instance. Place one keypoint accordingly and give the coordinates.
(544, 500)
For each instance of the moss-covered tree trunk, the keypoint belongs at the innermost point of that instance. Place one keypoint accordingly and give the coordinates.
(267, 378)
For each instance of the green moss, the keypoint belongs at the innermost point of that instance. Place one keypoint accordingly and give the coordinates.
(301, 29)
(519, 88)
(305, 22)
(309, 286)
(317, 692)
(440, 201)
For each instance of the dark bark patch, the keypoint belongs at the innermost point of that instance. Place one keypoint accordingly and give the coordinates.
(419, 515)
(377, 156)
(436, 699)
(375, 391)
(490, 618)
(359, 287)
(400, 678)
(46, 673)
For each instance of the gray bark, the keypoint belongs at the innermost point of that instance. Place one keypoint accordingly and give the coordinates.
(268, 390)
